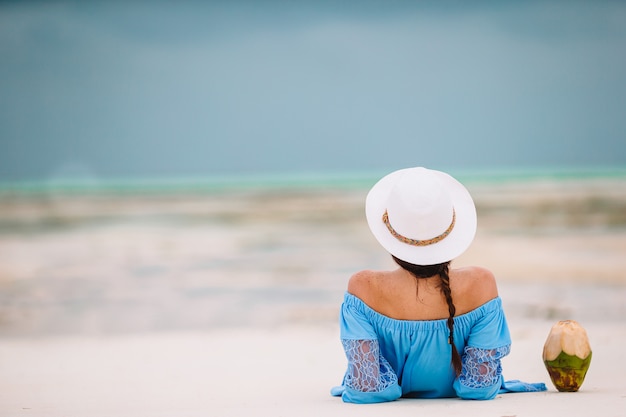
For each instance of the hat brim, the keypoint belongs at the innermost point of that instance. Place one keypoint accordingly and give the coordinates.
(445, 250)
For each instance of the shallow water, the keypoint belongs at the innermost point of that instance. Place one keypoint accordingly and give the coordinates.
(110, 263)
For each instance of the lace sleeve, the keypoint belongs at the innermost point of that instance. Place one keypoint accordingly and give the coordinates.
(368, 370)
(481, 367)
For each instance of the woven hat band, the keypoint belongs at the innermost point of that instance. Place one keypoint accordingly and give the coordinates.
(419, 242)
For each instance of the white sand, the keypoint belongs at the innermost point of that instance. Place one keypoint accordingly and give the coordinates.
(282, 372)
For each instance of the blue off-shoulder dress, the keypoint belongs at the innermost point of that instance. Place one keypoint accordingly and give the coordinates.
(389, 358)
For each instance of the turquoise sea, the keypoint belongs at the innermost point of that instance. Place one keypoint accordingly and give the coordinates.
(295, 180)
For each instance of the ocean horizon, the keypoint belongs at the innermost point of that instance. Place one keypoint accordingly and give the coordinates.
(291, 180)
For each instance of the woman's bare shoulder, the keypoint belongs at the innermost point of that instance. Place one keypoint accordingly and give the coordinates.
(361, 282)
(476, 285)
(380, 290)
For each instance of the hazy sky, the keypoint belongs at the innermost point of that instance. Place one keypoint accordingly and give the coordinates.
(178, 89)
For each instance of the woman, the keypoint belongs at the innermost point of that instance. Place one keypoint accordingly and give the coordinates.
(423, 330)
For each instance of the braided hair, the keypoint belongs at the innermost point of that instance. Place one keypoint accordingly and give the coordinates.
(426, 271)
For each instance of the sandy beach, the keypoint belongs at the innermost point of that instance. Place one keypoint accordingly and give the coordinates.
(225, 304)
(271, 372)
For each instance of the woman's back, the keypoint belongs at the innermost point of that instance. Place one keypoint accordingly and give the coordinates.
(399, 295)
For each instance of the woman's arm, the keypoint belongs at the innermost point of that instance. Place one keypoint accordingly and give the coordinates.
(481, 375)
(369, 377)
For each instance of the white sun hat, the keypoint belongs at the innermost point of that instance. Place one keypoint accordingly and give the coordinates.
(421, 216)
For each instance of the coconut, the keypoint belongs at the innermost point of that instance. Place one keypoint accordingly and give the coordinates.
(567, 355)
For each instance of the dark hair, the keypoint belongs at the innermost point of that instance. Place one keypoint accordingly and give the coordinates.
(426, 271)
